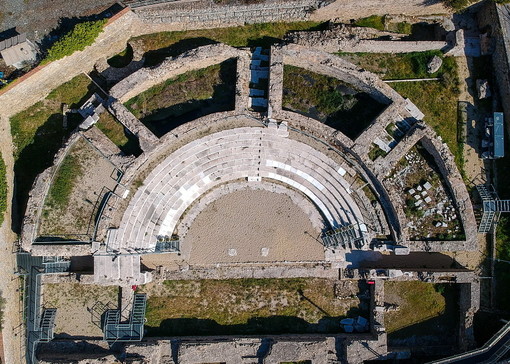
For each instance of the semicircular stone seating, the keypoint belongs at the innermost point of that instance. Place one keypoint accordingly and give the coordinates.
(225, 156)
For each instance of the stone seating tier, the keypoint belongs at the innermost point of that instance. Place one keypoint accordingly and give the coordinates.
(226, 156)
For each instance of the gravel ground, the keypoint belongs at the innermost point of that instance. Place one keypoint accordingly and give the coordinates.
(252, 226)
(39, 17)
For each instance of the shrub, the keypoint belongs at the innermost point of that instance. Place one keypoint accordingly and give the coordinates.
(81, 36)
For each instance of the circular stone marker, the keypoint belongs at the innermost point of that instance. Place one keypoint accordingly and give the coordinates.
(260, 226)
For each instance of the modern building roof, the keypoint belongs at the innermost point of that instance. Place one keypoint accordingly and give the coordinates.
(17, 49)
(499, 135)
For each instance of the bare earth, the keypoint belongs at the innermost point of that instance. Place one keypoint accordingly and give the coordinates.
(74, 303)
(252, 226)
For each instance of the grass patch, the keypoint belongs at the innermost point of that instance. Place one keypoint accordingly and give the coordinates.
(457, 5)
(436, 99)
(404, 28)
(38, 133)
(439, 104)
(64, 181)
(400, 66)
(424, 309)
(328, 100)
(165, 44)
(376, 152)
(380, 23)
(3, 192)
(244, 306)
(373, 21)
(115, 131)
(81, 36)
(186, 97)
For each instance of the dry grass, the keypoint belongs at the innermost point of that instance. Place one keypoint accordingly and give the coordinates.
(427, 313)
(418, 301)
(74, 302)
(237, 301)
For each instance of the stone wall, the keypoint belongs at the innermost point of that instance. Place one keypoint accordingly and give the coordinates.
(355, 39)
(38, 194)
(208, 15)
(271, 349)
(146, 138)
(194, 59)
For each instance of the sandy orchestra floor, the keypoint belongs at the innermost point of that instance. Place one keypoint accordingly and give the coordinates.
(252, 226)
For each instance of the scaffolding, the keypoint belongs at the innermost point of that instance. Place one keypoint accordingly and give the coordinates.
(39, 322)
(132, 330)
(492, 208)
(348, 237)
(171, 246)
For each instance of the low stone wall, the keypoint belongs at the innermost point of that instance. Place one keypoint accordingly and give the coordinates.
(146, 138)
(269, 349)
(354, 39)
(37, 196)
(195, 59)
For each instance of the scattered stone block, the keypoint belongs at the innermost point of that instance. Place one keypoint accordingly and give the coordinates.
(434, 64)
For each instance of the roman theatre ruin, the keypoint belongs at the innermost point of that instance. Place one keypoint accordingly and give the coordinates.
(267, 189)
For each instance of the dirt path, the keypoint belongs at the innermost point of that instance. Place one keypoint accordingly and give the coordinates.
(473, 164)
(12, 329)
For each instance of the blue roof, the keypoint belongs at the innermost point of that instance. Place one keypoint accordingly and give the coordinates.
(499, 135)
